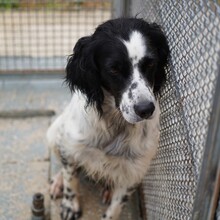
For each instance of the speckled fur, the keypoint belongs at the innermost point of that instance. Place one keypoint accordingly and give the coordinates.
(109, 147)
(111, 126)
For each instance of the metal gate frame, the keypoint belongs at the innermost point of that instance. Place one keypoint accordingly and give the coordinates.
(208, 189)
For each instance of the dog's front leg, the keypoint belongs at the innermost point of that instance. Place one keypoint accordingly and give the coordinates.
(70, 207)
(119, 198)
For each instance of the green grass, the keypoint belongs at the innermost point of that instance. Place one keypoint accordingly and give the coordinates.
(9, 4)
(49, 4)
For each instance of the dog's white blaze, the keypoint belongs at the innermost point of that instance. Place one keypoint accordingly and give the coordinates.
(143, 90)
(137, 49)
(136, 46)
(140, 94)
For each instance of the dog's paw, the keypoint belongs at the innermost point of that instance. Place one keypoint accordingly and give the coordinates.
(68, 212)
(56, 186)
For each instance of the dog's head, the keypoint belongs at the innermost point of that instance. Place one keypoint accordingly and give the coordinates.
(126, 57)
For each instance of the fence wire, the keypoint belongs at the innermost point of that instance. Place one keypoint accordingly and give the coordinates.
(193, 32)
(38, 35)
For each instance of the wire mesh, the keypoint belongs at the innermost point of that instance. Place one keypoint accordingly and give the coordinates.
(35, 35)
(38, 35)
(193, 32)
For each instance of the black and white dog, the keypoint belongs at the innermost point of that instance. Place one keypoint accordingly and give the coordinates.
(111, 127)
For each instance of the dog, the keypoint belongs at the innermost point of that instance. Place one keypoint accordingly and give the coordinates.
(110, 128)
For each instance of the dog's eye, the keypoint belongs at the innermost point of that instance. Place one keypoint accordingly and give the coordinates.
(147, 63)
(150, 63)
(114, 72)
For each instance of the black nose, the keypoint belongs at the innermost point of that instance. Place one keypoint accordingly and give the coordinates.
(144, 109)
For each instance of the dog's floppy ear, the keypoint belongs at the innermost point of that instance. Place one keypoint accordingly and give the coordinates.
(82, 73)
(159, 41)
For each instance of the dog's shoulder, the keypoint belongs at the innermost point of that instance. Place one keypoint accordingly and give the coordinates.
(77, 125)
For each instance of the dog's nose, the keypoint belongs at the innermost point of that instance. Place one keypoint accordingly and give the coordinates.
(144, 109)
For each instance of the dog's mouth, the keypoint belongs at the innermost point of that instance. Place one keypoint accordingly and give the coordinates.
(136, 119)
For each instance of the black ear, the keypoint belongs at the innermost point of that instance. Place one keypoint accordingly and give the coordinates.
(159, 41)
(82, 73)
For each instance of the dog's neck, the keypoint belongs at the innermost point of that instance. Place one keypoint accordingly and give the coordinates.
(112, 114)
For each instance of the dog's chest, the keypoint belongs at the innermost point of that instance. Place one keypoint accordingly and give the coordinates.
(112, 138)
(120, 154)
(120, 159)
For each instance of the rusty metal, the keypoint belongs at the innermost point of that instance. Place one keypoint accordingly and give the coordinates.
(38, 208)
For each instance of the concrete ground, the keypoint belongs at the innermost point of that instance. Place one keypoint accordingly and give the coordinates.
(28, 104)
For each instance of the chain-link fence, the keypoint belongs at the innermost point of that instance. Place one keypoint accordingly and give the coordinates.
(38, 35)
(193, 32)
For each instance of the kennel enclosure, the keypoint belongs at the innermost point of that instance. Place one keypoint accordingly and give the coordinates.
(183, 180)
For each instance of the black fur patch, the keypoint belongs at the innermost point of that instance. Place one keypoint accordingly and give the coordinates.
(131, 189)
(130, 95)
(69, 196)
(134, 85)
(64, 161)
(68, 190)
(78, 214)
(102, 60)
(124, 199)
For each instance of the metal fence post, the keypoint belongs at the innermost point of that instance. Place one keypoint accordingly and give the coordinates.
(207, 194)
(120, 8)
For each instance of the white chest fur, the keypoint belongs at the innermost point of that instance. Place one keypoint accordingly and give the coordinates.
(108, 147)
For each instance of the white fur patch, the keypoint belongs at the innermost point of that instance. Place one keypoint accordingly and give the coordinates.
(136, 46)
(138, 89)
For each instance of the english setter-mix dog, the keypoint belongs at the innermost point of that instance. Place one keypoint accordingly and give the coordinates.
(110, 129)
